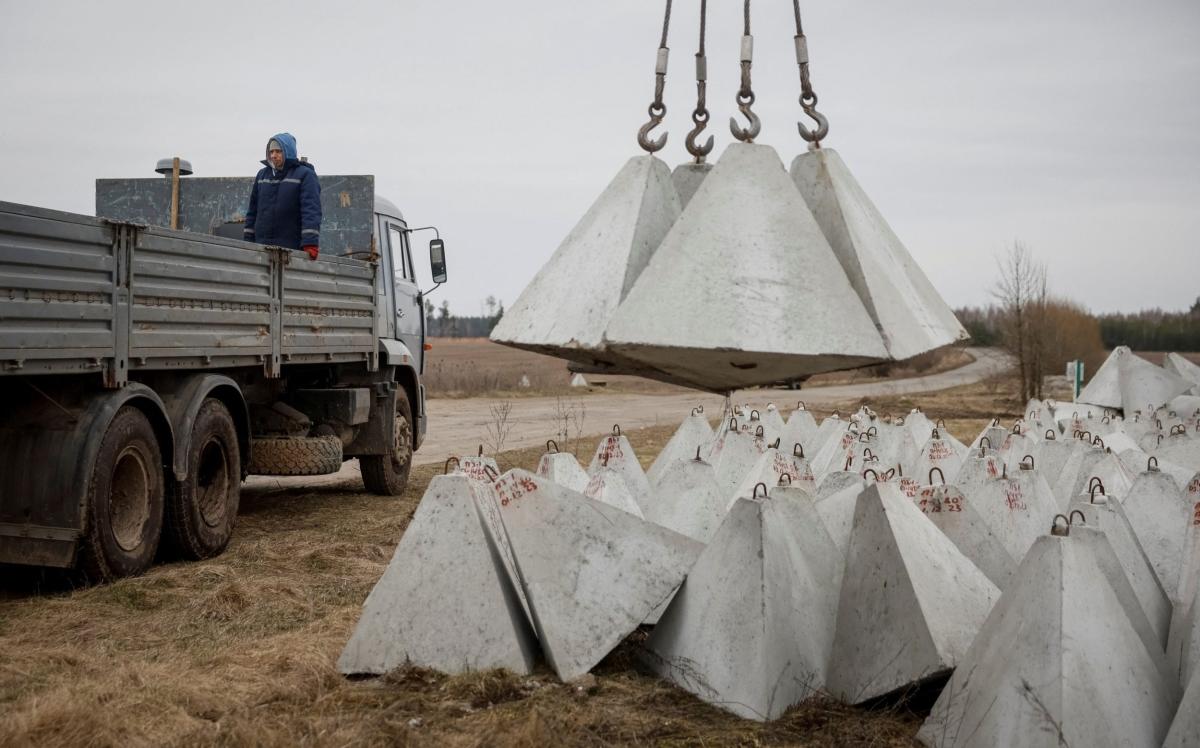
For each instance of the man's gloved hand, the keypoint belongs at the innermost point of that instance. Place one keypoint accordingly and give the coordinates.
(312, 251)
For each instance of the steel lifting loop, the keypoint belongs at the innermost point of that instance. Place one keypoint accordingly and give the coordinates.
(874, 475)
(940, 475)
(1098, 442)
(1093, 488)
(551, 446)
(1062, 531)
(935, 434)
(657, 109)
(849, 462)
(697, 410)
(1094, 480)
(785, 479)
(616, 429)
(1027, 462)
(868, 455)
(798, 450)
(490, 472)
(1071, 517)
(755, 415)
(872, 432)
(446, 467)
(983, 439)
(889, 474)
(941, 424)
(800, 405)
(757, 486)
(775, 444)
(1152, 464)
(733, 424)
(1016, 429)
(759, 433)
(1050, 435)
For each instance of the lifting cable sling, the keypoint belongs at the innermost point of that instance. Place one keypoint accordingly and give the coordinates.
(808, 98)
(700, 114)
(657, 109)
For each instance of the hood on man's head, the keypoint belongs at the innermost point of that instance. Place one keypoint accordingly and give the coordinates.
(287, 142)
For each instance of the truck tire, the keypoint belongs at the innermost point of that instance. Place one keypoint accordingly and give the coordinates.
(124, 500)
(387, 475)
(295, 455)
(202, 509)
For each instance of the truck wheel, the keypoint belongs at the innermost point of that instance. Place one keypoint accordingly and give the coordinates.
(387, 475)
(295, 455)
(125, 500)
(202, 510)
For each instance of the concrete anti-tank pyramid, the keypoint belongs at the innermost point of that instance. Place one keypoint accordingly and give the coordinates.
(1184, 369)
(906, 308)
(616, 453)
(746, 235)
(954, 513)
(1017, 507)
(591, 573)
(565, 308)
(687, 179)
(562, 468)
(911, 602)
(1057, 663)
(444, 601)
(689, 500)
(1157, 513)
(609, 487)
(1130, 382)
(694, 433)
(1185, 729)
(751, 628)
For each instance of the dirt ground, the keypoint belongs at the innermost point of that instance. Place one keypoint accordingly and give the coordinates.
(241, 649)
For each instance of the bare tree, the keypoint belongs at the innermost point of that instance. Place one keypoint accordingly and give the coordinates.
(1021, 293)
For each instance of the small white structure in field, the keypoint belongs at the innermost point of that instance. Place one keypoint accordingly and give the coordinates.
(616, 453)
(693, 434)
(745, 229)
(578, 380)
(562, 468)
(591, 573)
(1032, 677)
(1130, 382)
(751, 629)
(594, 267)
(524, 383)
(905, 307)
(688, 500)
(443, 602)
(911, 602)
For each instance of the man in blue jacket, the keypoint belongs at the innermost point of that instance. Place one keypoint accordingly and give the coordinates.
(285, 203)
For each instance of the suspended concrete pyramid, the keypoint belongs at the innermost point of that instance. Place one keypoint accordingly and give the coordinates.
(459, 612)
(687, 179)
(751, 629)
(1129, 382)
(591, 573)
(745, 289)
(907, 310)
(564, 310)
(911, 602)
(1057, 663)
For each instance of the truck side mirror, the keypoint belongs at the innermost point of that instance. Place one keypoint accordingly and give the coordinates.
(437, 260)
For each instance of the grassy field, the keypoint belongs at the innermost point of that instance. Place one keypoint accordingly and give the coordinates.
(473, 367)
(241, 649)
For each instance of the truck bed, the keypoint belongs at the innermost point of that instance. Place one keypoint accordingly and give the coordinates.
(82, 294)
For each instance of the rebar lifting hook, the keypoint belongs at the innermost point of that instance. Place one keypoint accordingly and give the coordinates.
(699, 151)
(810, 108)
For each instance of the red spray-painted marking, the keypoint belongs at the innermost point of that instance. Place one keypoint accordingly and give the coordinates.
(991, 469)
(1194, 487)
(909, 486)
(1196, 515)
(939, 450)
(1013, 497)
(510, 488)
(611, 450)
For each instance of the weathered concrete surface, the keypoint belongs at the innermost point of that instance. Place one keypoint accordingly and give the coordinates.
(1109, 517)
(746, 238)
(1135, 382)
(770, 470)
(733, 454)
(616, 453)
(905, 307)
(693, 434)
(1182, 449)
(836, 497)
(1185, 729)
(607, 486)
(1035, 676)
(954, 513)
(1158, 513)
(562, 468)
(565, 308)
(1018, 509)
(1090, 463)
(938, 453)
(751, 629)
(444, 601)
(689, 500)
(801, 429)
(480, 468)
(1184, 369)
(911, 602)
(687, 179)
(591, 573)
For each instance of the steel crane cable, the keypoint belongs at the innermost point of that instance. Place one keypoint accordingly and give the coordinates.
(808, 98)
(700, 114)
(657, 109)
(745, 94)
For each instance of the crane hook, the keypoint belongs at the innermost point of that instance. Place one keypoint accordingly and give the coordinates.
(810, 108)
(657, 112)
(700, 117)
(746, 134)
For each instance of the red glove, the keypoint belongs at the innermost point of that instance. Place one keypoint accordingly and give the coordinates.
(311, 249)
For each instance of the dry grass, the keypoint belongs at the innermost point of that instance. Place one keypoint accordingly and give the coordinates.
(241, 649)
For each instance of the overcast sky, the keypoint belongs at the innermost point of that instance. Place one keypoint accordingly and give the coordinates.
(1073, 126)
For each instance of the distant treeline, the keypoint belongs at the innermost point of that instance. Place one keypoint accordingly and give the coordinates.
(1149, 330)
(440, 323)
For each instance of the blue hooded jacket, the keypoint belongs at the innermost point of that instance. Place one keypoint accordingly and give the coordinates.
(285, 204)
